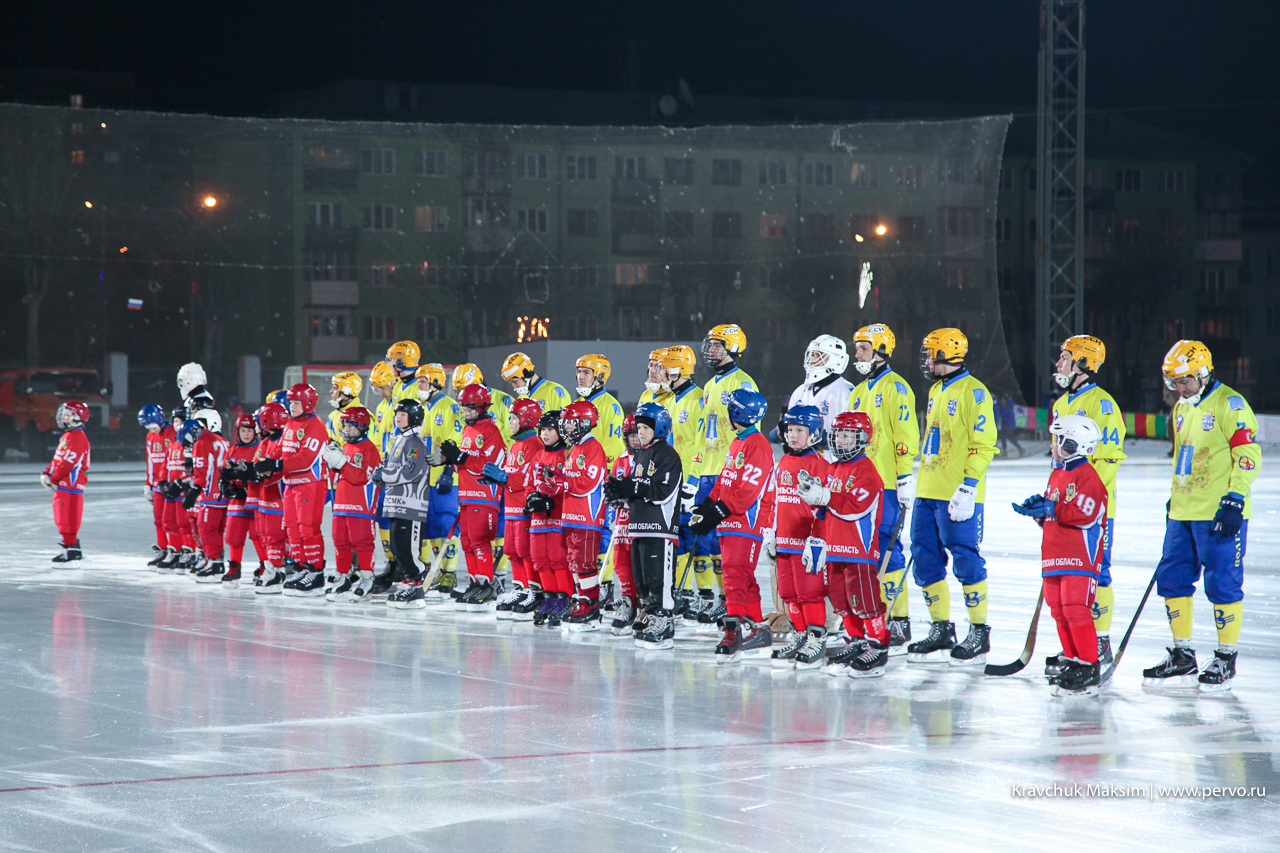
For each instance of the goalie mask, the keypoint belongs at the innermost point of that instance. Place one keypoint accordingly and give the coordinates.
(825, 356)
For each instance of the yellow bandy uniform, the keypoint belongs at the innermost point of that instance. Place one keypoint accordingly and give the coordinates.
(405, 390)
(500, 407)
(662, 398)
(685, 407)
(1216, 454)
(608, 431)
(333, 421)
(959, 438)
(383, 429)
(713, 420)
(551, 395)
(442, 421)
(1092, 402)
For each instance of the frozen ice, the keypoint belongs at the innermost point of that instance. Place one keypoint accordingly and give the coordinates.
(147, 713)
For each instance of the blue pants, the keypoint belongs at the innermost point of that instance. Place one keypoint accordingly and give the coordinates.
(442, 512)
(1189, 548)
(932, 531)
(1108, 536)
(707, 544)
(888, 518)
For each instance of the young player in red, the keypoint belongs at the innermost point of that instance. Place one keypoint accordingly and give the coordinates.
(1073, 512)
(242, 498)
(848, 543)
(801, 587)
(478, 502)
(269, 517)
(546, 535)
(355, 505)
(513, 476)
(625, 614)
(737, 509)
(151, 418)
(209, 452)
(65, 476)
(305, 481)
(181, 544)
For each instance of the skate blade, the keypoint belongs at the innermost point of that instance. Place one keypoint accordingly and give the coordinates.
(836, 670)
(584, 627)
(721, 660)
(808, 667)
(624, 631)
(231, 584)
(479, 608)
(406, 605)
(1177, 682)
(897, 651)
(75, 564)
(503, 614)
(660, 646)
(757, 654)
(1216, 688)
(941, 656)
(978, 660)
(874, 672)
(269, 590)
(784, 663)
(212, 579)
(522, 617)
(1091, 690)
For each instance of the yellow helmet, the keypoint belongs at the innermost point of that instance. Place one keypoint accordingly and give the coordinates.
(678, 358)
(272, 397)
(598, 364)
(732, 336)
(403, 355)
(656, 355)
(381, 375)
(347, 384)
(879, 336)
(517, 366)
(1087, 355)
(466, 374)
(1187, 358)
(944, 346)
(433, 373)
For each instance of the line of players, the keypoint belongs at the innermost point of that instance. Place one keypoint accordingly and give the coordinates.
(567, 503)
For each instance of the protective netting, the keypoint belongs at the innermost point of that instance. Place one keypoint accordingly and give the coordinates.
(175, 237)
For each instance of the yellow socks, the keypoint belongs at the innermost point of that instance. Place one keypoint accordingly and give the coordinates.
(1226, 617)
(975, 598)
(1179, 612)
(893, 582)
(938, 599)
(1103, 604)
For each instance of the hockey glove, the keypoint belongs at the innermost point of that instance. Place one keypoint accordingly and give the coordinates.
(435, 458)
(193, 495)
(688, 494)
(452, 453)
(444, 486)
(1036, 506)
(264, 468)
(237, 469)
(46, 482)
(962, 502)
(148, 494)
(707, 515)
(814, 555)
(333, 456)
(174, 490)
(906, 490)
(375, 476)
(235, 492)
(811, 490)
(494, 474)
(770, 542)
(537, 502)
(1230, 516)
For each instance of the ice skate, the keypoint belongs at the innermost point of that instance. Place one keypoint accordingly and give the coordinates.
(838, 664)
(1218, 674)
(785, 657)
(442, 589)
(1054, 666)
(545, 606)
(729, 649)
(382, 584)
(481, 597)
(167, 562)
(562, 604)
(972, 651)
(308, 583)
(360, 591)
(1177, 670)
(503, 605)
(870, 662)
(70, 558)
(1104, 650)
(709, 620)
(813, 650)
(231, 579)
(528, 604)
(407, 597)
(272, 581)
(935, 648)
(899, 635)
(1078, 679)
(757, 640)
(659, 632)
(584, 616)
(622, 617)
(695, 607)
(211, 573)
(341, 588)
(157, 556)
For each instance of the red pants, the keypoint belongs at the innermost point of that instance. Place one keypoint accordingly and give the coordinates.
(479, 526)
(175, 523)
(211, 520)
(805, 594)
(270, 525)
(157, 513)
(241, 522)
(550, 561)
(1070, 600)
(583, 547)
(855, 597)
(516, 545)
(303, 515)
(738, 556)
(622, 567)
(68, 510)
(352, 533)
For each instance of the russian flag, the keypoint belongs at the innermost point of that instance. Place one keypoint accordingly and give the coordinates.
(135, 304)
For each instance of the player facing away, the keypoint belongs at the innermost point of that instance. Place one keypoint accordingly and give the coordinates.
(737, 506)
(652, 493)
(959, 444)
(513, 476)
(236, 482)
(151, 418)
(305, 482)
(1073, 512)
(886, 398)
(1077, 372)
(405, 475)
(847, 549)
(546, 535)
(269, 518)
(518, 371)
(209, 452)
(355, 505)
(65, 476)
(1214, 467)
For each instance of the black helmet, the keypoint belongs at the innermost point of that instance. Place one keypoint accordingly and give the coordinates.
(550, 420)
(413, 409)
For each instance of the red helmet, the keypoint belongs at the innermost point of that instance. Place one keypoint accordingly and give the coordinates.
(357, 415)
(306, 395)
(850, 435)
(476, 396)
(72, 414)
(272, 416)
(577, 420)
(244, 422)
(528, 410)
(629, 425)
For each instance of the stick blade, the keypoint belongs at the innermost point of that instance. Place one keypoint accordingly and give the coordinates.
(1005, 669)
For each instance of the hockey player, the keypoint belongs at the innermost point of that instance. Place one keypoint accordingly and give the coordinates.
(1077, 373)
(825, 387)
(209, 452)
(848, 544)
(405, 476)
(546, 535)
(500, 407)
(479, 503)
(193, 385)
(1073, 512)
(737, 506)
(442, 421)
(269, 518)
(657, 387)
(652, 492)
(355, 503)
(65, 476)
(889, 402)
(1207, 529)
(592, 372)
(181, 543)
(151, 418)
(959, 444)
(403, 358)
(382, 433)
(625, 613)
(344, 392)
(802, 584)
(305, 484)
(518, 370)
(513, 476)
(236, 481)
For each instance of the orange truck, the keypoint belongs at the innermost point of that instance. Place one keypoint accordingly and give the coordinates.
(29, 399)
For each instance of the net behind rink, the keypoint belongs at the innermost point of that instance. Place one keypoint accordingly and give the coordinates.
(175, 237)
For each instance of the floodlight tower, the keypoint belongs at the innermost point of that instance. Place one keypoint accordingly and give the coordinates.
(1059, 183)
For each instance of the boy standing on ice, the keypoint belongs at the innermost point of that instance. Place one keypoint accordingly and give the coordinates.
(65, 476)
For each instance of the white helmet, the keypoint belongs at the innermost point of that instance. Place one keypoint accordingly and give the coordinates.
(1077, 436)
(211, 419)
(825, 356)
(190, 377)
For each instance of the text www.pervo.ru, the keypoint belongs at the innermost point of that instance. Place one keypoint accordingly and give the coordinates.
(1148, 792)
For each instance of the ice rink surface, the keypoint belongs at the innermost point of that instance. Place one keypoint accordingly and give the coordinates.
(145, 713)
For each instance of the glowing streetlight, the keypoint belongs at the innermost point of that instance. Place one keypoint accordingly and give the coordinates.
(881, 230)
(210, 201)
(88, 204)
(858, 237)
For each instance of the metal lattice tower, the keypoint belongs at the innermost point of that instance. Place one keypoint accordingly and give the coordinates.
(1059, 183)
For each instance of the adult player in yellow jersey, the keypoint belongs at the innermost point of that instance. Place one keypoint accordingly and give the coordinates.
(1215, 464)
(403, 356)
(519, 372)
(656, 387)
(959, 444)
(500, 405)
(888, 400)
(591, 372)
(441, 422)
(344, 392)
(1077, 373)
(382, 433)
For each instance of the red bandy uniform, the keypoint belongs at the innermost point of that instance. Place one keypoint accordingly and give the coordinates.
(157, 472)
(355, 506)
(175, 517)
(849, 527)
(306, 482)
(269, 516)
(546, 535)
(69, 471)
(516, 541)
(478, 503)
(804, 593)
(742, 485)
(621, 538)
(1071, 554)
(241, 511)
(581, 483)
(208, 455)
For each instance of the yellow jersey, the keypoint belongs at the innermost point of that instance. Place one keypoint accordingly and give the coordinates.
(500, 407)
(959, 438)
(608, 430)
(888, 400)
(441, 421)
(662, 398)
(713, 419)
(405, 389)
(1216, 454)
(1091, 401)
(333, 421)
(551, 395)
(383, 430)
(685, 407)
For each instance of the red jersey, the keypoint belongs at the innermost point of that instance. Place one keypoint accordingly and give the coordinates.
(270, 497)
(157, 448)
(742, 485)
(483, 443)
(852, 519)
(246, 453)
(1072, 543)
(208, 455)
(300, 450)
(793, 518)
(622, 515)
(539, 480)
(581, 481)
(355, 495)
(517, 464)
(175, 456)
(69, 468)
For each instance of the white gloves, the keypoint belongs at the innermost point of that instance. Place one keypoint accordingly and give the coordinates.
(46, 482)
(148, 494)
(435, 458)
(770, 542)
(811, 490)
(688, 494)
(906, 490)
(814, 555)
(961, 506)
(333, 455)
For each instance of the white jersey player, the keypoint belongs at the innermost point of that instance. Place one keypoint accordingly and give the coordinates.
(824, 386)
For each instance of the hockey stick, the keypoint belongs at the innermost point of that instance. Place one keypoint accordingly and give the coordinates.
(438, 560)
(1125, 641)
(1027, 650)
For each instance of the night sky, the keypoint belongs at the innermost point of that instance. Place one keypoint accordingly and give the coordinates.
(1153, 58)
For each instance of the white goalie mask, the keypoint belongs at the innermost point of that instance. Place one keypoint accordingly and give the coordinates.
(825, 356)
(190, 377)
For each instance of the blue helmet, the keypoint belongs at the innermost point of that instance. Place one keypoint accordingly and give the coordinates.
(659, 418)
(151, 414)
(190, 430)
(746, 406)
(805, 416)
(281, 397)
